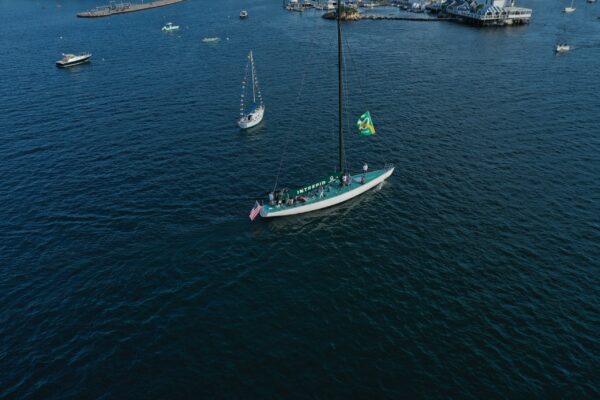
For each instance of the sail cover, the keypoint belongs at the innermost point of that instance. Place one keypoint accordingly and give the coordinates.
(365, 125)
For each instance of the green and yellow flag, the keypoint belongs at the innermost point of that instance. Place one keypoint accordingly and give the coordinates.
(365, 125)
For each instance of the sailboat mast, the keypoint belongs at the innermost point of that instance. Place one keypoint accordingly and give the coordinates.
(340, 88)
(252, 66)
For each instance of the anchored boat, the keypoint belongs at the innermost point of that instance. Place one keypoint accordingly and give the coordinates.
(257, 110)
(169, 27)
(243, 14)
(70, 60)
(562, 48)
(335, 188)
(570, 9)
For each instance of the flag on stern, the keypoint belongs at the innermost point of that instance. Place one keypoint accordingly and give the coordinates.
(255, 211)
(365, 125)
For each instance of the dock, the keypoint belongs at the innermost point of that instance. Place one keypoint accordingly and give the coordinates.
(121, 8)
(358, 17)
(401, 18)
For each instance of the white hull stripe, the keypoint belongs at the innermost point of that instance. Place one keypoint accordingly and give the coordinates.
(328, 202)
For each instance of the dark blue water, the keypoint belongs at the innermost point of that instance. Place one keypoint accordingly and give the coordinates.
(129, 268)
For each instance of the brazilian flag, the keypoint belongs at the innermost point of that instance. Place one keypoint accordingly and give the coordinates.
(365, 125)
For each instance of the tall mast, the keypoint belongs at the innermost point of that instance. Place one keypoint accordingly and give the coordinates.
(341, 133)
(252, 66)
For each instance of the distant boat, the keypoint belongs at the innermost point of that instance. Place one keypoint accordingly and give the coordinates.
(169, 27)
(294, 5)
(257, 111)
(211, 39)
(562, 48)
(70, 60)
(243, 14)
(570, 9)
(591, 1)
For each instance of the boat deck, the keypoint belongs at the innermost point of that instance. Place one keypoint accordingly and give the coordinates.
(330, 191)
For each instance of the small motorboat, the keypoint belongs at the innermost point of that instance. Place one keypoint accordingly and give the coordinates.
(70, 60)
(243, 14)
(591, 1)
(211, 39)
(169, 27)
(562, 48)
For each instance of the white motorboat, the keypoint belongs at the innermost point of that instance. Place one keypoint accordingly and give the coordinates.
(243, 14)
(562, 48)
(70, 60)
(257, 111)
(169, 27)
(211, 39)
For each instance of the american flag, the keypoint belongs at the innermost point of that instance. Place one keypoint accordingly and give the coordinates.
(255, 211)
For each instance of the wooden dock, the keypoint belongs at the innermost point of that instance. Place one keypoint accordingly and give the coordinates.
(400, 18)
(122, 8)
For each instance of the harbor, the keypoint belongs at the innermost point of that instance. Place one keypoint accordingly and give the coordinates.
(490, 13)
(114, 8)
(470, 12)
(131, 268)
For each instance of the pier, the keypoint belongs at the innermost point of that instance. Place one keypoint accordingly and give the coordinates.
(358, 17)
(120, 8)
(401, 18)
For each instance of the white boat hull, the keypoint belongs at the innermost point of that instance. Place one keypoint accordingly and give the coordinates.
(569, 10)
(252, 119)
(328, 202)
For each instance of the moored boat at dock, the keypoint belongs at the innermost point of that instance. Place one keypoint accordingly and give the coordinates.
(70, 60)
(114, 8)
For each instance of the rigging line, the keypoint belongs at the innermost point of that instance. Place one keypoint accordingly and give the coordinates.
(346, 102)
(353, 69)
(363, 91)
(295, 116)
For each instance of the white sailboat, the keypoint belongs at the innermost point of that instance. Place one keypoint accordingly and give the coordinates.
(335, 188)
(257, 111)
(570, 9)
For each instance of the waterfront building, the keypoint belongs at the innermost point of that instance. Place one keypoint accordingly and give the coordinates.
(492, 12)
